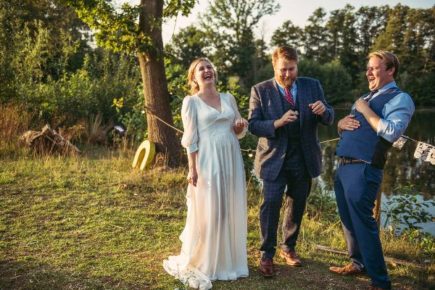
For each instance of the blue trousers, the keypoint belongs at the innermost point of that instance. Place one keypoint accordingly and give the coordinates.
(298, 184)
(356, 187)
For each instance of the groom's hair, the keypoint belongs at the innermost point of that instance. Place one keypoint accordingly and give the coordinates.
(286, 52)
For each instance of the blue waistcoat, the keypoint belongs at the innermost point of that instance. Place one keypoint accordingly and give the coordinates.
(363, 143)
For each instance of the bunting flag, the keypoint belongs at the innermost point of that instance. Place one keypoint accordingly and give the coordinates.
(399, 143)
(420, 151)
(431, 156)
(425, 152)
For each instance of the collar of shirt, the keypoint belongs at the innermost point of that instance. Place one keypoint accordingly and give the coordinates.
(294, 90)
(384, 88)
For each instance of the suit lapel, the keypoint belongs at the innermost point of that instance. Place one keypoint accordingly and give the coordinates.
(275, 99)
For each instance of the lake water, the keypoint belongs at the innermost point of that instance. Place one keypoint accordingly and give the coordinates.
(401, 170)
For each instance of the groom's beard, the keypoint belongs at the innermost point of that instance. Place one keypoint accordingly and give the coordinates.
(286, 82)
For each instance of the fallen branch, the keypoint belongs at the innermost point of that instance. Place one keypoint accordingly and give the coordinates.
(392, 261)
(48, 141)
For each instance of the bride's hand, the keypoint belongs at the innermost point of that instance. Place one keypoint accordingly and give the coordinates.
(192, 177)
(239, 125)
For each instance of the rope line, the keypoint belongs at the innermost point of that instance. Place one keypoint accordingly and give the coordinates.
(248, 150)
(409, 138)
(161, 120)
(330, 140)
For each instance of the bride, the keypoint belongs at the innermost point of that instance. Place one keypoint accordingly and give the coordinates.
(214, 237)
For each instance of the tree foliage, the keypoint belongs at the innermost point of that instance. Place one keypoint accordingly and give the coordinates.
(346, 36)
(49, 60)
(229, 27)
(138, 30)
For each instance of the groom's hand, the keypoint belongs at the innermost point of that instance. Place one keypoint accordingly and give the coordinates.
(288, 117)
(318, 108)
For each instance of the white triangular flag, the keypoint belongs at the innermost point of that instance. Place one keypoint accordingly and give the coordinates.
(421, 151)
(431, 156)
(399, 143)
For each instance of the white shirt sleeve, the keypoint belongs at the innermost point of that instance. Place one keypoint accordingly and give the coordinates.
(190, 123)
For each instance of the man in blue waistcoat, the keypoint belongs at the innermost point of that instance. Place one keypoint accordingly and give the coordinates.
(376, 121)
(284, 113)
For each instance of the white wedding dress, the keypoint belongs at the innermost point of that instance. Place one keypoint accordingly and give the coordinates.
(214, 238)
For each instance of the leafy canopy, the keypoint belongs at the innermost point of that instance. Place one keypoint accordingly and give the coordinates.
(118, 29)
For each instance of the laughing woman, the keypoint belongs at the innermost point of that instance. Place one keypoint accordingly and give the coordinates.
(214, 237)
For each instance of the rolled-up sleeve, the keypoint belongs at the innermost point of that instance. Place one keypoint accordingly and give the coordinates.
(397, 115)
(189, 116)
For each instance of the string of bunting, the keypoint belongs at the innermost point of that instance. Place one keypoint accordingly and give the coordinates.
(424, 151)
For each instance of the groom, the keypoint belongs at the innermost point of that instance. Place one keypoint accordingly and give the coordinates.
(284, 113)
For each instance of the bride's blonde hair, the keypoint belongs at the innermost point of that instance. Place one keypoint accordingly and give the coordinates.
(194, 87)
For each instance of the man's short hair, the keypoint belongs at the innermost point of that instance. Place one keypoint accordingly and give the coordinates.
(288, 53)
(389, 58)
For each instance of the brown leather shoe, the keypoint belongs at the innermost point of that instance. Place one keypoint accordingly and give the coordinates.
(349, 269)
(291, 258)
(267, 268)
(371, 287)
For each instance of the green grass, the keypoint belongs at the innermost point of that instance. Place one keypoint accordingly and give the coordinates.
(91, 222)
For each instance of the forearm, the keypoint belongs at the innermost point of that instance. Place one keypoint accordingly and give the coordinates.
(371, 118)
(192, 160)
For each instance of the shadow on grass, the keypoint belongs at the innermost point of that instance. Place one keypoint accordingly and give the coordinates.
(32, 274)
(315, 274)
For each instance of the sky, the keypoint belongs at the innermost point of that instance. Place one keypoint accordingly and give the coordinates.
(296, 11)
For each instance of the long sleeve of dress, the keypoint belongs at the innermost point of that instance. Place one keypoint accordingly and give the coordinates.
(238, 116)
(189, 116)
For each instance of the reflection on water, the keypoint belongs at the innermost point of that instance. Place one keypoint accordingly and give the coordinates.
(401, 169)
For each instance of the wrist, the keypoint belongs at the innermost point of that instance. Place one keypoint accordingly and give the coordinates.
(339, 129)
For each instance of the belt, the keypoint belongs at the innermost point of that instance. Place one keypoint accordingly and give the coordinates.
(349, 160)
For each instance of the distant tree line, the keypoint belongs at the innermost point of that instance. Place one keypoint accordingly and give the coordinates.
(51, 64)
(333, 47)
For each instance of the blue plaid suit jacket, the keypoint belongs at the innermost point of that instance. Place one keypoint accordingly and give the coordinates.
(265, 107)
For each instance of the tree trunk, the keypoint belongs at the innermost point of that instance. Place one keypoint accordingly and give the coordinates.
(155, 88)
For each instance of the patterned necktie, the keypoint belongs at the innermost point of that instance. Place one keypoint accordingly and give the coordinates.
(370, 96)
(288, 96)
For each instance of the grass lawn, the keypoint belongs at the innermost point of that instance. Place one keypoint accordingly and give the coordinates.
(91, 222)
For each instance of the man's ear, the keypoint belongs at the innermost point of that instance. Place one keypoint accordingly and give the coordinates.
(391, 71)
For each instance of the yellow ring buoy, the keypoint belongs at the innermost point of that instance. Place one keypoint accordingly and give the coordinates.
(144, 155)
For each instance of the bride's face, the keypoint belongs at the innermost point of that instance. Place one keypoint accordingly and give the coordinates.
(204, 74)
